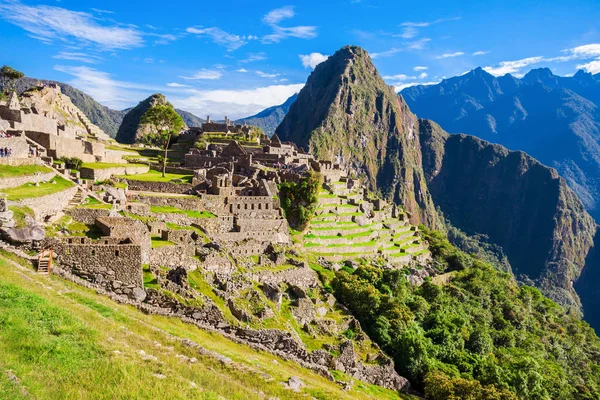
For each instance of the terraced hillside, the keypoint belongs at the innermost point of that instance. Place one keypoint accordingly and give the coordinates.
(346, 226)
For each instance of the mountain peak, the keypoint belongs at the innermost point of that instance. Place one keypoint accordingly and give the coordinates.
(541, 75)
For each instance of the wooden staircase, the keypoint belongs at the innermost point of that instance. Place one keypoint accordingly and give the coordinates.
(44, 261)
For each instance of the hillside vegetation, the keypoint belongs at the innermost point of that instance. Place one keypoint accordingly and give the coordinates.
(473, 332)
(59, 340)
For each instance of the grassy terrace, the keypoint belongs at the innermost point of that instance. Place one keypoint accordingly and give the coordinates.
(29, 190)
(156, 176)
(158, 242)
(63, 341)
(175, 210)
(7, 171)
(97, 165)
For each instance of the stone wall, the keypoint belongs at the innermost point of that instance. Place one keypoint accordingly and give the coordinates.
(6, 183)
(183, 203)
(102, 174)
(87, 215)
(18, 145)
(173, 256)
(173, 170)
(162, 187)
(102, 263)
(49, 205)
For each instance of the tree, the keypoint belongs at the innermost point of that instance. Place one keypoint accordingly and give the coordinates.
(8, 76)
(166, 122)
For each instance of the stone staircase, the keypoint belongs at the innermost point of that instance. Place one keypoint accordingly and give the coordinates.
(78, 199)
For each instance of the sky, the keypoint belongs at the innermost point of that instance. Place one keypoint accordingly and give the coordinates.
(235, 58)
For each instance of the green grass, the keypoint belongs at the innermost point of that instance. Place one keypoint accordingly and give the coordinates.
(175, 210)
(158, 242)
(97, 165)
(8, 171)
(66, 342)
(29, 190)
(150, 281)
(156, 176)
(19, 214)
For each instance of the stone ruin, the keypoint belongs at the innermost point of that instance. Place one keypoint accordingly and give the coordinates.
(50, 121)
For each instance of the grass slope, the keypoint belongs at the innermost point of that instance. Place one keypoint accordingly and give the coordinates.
(29, 190)
(9, 171)
(63, 341)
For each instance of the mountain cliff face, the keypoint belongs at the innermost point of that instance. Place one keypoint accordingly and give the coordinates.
(347, 112)
(554, 119)
(269, 118)
(522, 205)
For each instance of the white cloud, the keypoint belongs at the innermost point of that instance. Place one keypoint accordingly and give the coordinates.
(592, 67)
(75, 56)
(241, 70)
(274, 17)
(423, 75)
(164, 38)
(390, 52)
(100, 11)
(480, 53)
(266, 75)
(408, 32)
(425, 24)
(235, 103)
(450, 55)
(252, 57)
(586, 51)
(104, 89)
(177, 85)
(511, 67)
(398, 77)
(312, 60)
(418, 44)
(420, 68)
(48, 23)
(228, 40)
(209, 74)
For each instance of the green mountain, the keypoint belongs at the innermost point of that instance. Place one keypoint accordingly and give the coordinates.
(269, 119)
(347, 113)
(131, 129)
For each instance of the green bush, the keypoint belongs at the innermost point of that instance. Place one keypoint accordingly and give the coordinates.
(72, 162)
(299, 199)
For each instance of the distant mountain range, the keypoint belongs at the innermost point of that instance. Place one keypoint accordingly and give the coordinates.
(269, 119)
(554, 119)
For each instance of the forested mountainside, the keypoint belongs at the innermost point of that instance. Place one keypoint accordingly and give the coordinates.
(347, 113)
(554, 119)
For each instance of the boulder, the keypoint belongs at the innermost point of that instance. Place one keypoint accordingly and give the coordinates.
(30, 233)
(295, 383)
(116, 193)
(138, 294)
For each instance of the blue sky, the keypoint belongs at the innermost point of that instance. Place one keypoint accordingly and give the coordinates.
(236, 58)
